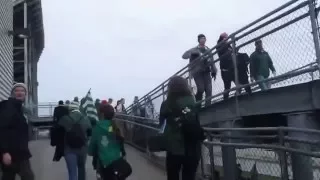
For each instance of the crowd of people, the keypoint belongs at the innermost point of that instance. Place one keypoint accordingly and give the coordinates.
(75, 136)
(203, 69)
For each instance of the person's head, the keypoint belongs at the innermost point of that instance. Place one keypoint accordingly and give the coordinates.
(122, 101)
(76, 99)
(202, 39)
(97, 100)
(19, 91)
(104, 102)
(67, 102)
(110, 100)
(118, 102)
(224, 36)
(106, 112)
(60, 103)
(258, 44)
(178, 87)
(136, 99)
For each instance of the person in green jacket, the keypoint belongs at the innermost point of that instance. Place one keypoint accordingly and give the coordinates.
(106, 142)
(260, 66)
(182, 153)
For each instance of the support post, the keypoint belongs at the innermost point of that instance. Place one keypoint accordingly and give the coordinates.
(228, 154)
(315, 31)
(301, 165)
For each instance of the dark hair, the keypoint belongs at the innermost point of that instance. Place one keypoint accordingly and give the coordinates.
(178, 87)
(60, 102)
(106, 111)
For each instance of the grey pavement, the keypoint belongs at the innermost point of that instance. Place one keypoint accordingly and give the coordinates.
(45, 169)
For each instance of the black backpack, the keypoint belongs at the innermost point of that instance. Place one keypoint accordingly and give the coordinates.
(75, 137)
(187, 119)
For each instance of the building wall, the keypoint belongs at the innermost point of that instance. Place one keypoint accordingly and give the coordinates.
(6, 48)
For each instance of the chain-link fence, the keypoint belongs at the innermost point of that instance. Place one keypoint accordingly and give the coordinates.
(241, 153)
(289, 35)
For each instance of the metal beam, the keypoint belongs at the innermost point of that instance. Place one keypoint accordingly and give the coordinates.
(18, 48)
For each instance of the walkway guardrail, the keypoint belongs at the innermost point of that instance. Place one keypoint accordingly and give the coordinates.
(262, 153)
(290, 35)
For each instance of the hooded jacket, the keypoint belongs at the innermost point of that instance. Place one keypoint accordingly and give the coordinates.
(225, 54)
(14, 130)
(105, 143)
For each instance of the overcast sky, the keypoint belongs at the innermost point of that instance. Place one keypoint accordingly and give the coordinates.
(123, 48)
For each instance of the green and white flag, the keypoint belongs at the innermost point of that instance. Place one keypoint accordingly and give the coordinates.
(88, 108)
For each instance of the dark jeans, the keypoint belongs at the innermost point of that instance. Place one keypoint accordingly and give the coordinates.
(203, 82)
(23, 169)
(188, 165)
(228, 77)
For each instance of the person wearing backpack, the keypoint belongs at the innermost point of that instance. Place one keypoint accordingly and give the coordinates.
(77, 128)
(183, 134)
(107, 145)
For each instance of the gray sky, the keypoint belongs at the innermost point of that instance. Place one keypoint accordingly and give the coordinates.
(126, 48)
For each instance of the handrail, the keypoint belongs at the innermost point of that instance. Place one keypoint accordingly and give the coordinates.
(186, 69)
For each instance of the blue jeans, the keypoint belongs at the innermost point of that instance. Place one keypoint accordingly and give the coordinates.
(76, 165)
(263, 85)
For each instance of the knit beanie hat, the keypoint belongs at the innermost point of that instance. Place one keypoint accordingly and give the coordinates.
(19, 85)
(74, 105)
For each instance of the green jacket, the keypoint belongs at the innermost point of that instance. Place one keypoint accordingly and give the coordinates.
(104, 143)
(260, 64)
(172, 132)
(75, 116)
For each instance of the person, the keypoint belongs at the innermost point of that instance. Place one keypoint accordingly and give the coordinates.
(77, 128)
(76, 99)
(59, 112)
(106, 144)
(202, 70)
(110, 101)
(183, 145)
(14, 136)
(226, 64)
(119, 108)
(243, 61)
(136, 106)
(97, 104)
(67, 102)
(260, 65)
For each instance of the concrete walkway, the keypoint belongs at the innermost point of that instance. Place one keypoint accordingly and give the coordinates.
(45, 169)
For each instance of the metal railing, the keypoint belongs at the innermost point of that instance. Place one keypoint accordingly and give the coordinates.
(290, 36)
(261, 153)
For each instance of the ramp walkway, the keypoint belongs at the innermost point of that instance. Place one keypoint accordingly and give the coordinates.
(45, 168)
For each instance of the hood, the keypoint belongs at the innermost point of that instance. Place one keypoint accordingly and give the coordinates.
(105, 125)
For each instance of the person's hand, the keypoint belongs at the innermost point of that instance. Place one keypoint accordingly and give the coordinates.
(251, 79)
(274, 73)
(214, 75)
(6, 159)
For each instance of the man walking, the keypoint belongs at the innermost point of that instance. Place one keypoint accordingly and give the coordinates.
(260, 66)
(14, 136)
(201, 69)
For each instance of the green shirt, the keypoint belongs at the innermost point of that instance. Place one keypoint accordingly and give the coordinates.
(104, 144)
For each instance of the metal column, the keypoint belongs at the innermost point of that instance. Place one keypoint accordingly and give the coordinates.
(229, 154)
(301, 165)
(26, 69)
(315, 31)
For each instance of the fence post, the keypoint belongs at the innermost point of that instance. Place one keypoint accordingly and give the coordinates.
(236, 78)
(212, 169)
(163, 95)
(315, 32)
(283, 157)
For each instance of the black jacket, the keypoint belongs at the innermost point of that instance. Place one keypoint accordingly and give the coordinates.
(59, 111)
(14, 132)
(225, 55)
